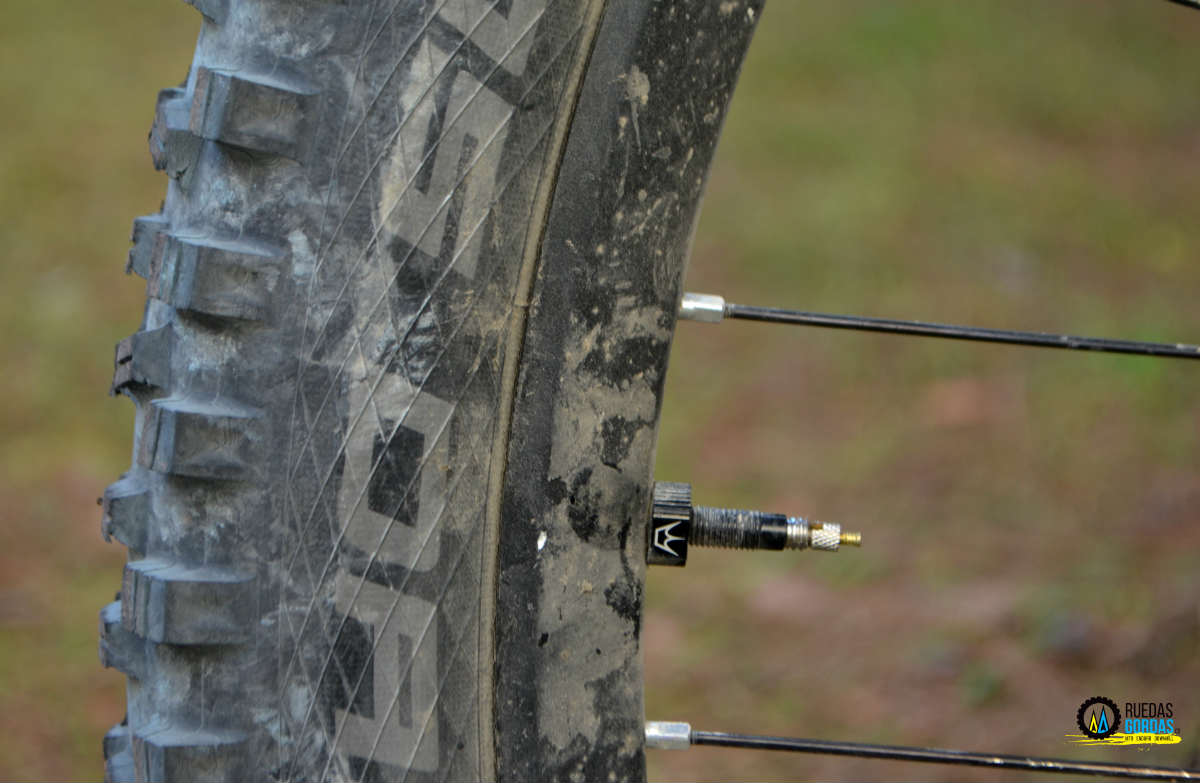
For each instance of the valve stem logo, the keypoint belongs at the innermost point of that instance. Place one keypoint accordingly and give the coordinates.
(664, 538)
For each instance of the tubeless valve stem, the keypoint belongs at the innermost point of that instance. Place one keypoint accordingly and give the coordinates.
(676, 524)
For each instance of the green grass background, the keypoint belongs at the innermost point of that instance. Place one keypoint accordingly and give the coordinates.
(1031, 518)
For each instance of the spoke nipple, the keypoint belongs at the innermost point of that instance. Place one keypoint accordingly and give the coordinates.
(702, 307)
(851, 539)
(668, 735)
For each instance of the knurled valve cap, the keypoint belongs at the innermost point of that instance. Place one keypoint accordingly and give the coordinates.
(670, 524)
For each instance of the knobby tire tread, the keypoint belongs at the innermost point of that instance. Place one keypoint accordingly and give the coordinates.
(362, 389)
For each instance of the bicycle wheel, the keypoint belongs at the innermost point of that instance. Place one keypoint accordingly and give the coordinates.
(409, 303)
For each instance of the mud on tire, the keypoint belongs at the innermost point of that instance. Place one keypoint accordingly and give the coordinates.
(409, 302)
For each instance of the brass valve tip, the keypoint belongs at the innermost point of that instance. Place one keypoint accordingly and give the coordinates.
(851, 539)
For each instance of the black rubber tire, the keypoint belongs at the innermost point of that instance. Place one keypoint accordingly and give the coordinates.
(409, 303)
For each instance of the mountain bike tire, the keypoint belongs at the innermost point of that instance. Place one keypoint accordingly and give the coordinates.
(410, 299)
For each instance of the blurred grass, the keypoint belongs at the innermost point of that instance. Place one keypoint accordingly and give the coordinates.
(1030, 518)
(77, 87)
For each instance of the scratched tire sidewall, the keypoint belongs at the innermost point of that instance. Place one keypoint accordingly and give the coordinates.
(418, 298)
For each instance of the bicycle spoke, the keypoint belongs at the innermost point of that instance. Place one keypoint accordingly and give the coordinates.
(712, 309)
(675, 736)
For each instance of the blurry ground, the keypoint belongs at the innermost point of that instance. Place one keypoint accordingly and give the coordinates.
(1031, 518)
(77, 86)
